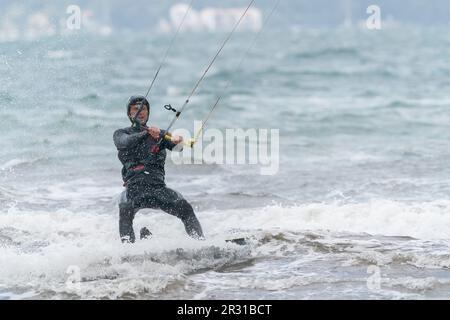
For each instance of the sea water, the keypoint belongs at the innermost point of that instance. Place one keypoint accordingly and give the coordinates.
(358, 209)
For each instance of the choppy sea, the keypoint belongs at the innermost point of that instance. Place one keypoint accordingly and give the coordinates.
(359, 208)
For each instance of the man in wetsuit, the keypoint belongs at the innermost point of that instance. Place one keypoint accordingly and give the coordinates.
(143, 173)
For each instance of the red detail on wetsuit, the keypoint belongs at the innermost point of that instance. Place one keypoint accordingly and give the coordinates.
(155, 149)
(138, 167)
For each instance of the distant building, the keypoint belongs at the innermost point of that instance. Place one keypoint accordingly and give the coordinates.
(211, 19)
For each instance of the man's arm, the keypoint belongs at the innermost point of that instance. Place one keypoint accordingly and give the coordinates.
(125, 140)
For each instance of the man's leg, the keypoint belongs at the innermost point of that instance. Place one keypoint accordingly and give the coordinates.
(126, 216)
(173, 203)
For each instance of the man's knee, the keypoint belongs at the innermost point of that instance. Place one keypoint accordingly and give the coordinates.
(126, 206)
(184, 209)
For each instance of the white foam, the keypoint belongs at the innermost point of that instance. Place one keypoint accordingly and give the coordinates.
(17, 162)
(378, 217)
(417, 284)
(45, 244)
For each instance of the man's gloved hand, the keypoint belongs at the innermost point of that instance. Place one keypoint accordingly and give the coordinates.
(177, 139)
(154, 132)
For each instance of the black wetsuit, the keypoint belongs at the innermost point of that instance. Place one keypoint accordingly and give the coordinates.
(143, 174)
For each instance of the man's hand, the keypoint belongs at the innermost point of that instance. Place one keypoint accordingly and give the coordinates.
(177, 139)
(154, 132)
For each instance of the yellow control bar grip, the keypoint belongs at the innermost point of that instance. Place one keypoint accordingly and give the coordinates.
(190, 143)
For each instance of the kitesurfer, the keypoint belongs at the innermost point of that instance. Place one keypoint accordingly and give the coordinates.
(143, 160)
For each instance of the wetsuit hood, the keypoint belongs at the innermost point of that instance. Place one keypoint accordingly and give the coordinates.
(137, 100)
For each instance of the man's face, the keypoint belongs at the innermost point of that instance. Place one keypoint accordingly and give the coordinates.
(143, 115)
